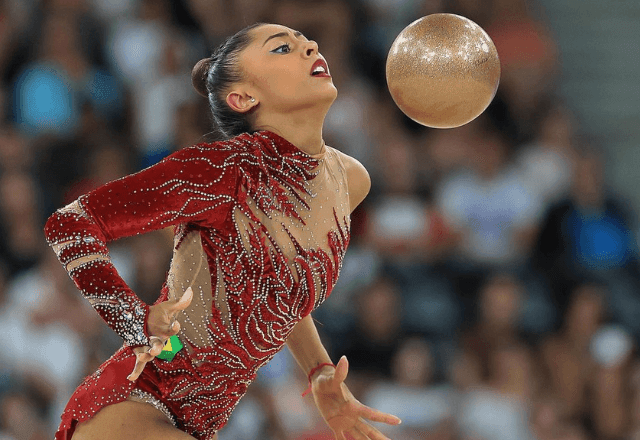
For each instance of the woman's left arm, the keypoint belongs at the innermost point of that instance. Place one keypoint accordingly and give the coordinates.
(305, 346)
(343, 413)
(304, 341)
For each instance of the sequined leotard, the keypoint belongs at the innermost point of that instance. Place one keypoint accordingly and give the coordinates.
(260, 232)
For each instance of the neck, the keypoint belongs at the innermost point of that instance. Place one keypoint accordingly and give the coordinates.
(302, 128)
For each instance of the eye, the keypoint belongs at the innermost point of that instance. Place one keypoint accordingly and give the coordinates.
(285, 48)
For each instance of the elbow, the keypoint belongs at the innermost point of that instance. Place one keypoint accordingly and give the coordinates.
(51, 227)
(60, 227)
(72, 223)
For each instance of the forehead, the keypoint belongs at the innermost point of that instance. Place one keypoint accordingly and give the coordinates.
(261, 33)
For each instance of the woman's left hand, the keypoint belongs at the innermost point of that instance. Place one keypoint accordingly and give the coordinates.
(346, 417)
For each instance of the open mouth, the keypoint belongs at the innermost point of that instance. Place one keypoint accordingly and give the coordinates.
(320, 68)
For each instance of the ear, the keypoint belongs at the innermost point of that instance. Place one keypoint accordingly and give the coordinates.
(241, 102)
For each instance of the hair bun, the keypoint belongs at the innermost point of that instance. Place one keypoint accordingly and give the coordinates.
(199, 76)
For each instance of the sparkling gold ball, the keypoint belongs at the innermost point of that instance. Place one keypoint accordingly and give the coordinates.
(443, 70)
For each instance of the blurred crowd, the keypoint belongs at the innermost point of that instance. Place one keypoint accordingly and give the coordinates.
(491, 288)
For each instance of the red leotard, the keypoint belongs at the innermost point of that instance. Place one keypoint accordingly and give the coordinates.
(261, 231)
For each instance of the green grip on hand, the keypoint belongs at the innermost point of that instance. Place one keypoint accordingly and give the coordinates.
(170, 349)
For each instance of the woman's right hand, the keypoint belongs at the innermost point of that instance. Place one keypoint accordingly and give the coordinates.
(162, 324)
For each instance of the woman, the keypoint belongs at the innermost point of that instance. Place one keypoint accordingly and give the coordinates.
(262, 225)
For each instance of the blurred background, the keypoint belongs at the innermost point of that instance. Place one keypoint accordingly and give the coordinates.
(491, 290)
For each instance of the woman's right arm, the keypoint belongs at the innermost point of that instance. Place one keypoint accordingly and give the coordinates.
(195, 185)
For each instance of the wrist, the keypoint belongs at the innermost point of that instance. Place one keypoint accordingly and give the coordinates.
(325, 368)
(134, 323)
(316, 371)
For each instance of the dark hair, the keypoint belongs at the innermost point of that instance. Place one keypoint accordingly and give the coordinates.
(212, 77)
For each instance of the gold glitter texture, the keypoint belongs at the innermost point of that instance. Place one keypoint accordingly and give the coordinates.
(443, 70)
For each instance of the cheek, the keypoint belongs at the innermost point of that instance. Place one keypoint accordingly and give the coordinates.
(282, 82)
(290, 86)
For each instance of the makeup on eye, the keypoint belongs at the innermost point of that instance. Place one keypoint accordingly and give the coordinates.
(277, 49)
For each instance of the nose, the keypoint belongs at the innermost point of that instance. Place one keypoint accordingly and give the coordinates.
(310, 48)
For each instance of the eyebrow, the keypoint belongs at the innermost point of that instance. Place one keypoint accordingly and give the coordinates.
(282, 34)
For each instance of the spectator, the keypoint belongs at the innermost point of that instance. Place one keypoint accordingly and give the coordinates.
(546, 162)
(218, 18)
(49, 91)
(490, 206)
(152, 254)
(611, 348)
(20, 217)
(528, 58)
(566, 355)
(398, 223)
(20, 419)
(590, 236)
(153, 56)
(546, 418)
(372, 343)
(46, 321)
(15, 151)
(422, 404)
(634, 390)
(499, 303)
(499, 410)
(12, 27)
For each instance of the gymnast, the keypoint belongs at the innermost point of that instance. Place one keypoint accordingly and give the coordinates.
(261, 225)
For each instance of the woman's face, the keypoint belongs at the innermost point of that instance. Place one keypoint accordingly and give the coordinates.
(284, 71)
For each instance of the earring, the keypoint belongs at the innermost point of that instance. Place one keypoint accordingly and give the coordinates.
(253, 100)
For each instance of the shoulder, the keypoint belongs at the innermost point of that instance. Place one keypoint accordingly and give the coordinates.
(219, 154)
(358, 179)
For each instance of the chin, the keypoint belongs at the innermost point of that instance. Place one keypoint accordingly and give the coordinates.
(321, 99)
(304, 99)
(323, 103)
(330, 94)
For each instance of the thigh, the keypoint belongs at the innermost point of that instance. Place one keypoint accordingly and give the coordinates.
(129, 421)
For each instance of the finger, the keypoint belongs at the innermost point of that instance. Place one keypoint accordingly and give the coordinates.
(156, 347)
(339, 435)
(141, 361)
(174, 328)
(370, 431)
(183, 302)
(378, 416)
(355, 434)
(341, 370)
